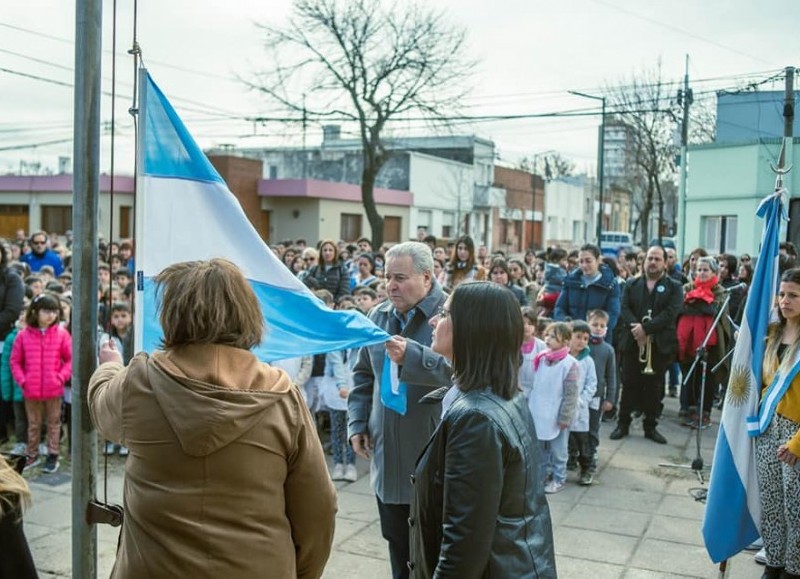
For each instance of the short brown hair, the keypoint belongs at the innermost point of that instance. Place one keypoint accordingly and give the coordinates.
(208, 302)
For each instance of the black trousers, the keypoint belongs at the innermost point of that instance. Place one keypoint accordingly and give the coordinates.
(642, 391)
(394, 528)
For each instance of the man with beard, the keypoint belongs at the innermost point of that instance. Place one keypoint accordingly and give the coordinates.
(650, 307)
(40, 255)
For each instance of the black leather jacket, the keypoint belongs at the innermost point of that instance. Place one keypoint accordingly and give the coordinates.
(479, 508)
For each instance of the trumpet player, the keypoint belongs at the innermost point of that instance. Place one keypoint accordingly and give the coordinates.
(649, 310)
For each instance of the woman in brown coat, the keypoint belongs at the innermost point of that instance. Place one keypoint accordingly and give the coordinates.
(226, 476)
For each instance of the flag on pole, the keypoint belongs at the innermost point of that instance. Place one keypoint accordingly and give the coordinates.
(185, 212)
(733, 510)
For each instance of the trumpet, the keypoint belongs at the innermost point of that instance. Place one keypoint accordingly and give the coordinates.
(646, 351)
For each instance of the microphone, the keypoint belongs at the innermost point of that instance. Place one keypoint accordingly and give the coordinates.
(741, 285)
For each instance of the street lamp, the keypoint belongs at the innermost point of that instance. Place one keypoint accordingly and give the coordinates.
(601, 168)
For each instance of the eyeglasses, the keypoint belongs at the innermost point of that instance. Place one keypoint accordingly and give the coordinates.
(443, 313)
(309, 259)
(38, 242)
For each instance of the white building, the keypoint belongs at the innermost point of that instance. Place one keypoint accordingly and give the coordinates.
(566, 217)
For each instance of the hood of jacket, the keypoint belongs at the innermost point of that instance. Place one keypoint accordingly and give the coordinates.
(211, 394)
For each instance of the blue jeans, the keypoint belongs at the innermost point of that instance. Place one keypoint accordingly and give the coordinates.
(339, 438)
(554, 457)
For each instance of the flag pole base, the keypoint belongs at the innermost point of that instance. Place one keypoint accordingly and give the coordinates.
(696, 466)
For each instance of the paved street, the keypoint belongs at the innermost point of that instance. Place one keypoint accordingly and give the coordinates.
(637, 521)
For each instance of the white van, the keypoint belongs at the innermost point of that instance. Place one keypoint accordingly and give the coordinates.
(612, 241)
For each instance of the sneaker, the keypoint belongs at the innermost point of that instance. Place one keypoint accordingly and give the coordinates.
(756, 545)
(553, 487)
(19, 449)
(123, 450)
(50, 464)
(761, 557)
(350, 473)
(32, 461)
(338, 472)
(702, 425)
(586, 477)
(109, 450)
(691, 421)
(673, 392)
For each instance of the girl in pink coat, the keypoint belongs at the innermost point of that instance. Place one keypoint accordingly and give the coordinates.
(41, 362)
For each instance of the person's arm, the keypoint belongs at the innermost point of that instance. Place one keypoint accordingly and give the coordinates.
(337, 368)
(569, 403)
(668, 313)
(626, 315)
(18, 361)
(12, 306)
(359, 402)
(65, 373)
(611, 376)
(425, 367)
(310, 496)
(105, 395)
(560, 312)
(590, 386)
(473, 489)
(613, 307)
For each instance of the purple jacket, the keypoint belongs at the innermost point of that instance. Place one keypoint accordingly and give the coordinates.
(41, 361)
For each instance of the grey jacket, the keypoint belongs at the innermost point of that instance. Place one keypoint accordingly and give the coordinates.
(398, 440)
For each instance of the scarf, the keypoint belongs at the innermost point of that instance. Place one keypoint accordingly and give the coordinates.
(550, 356)
(527, 347)
(702, 290)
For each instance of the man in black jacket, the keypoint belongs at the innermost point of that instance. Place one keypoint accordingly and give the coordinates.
(650, 307)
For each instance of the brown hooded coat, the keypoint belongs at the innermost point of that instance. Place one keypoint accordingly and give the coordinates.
(226, 476)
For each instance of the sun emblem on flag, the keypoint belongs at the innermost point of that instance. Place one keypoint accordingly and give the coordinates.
(739, 385)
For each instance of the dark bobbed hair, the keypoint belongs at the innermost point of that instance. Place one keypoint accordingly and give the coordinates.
(487, 336)
(208, 302)
(44, 301)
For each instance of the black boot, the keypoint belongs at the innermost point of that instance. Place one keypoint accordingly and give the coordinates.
(772, 572)
(621, 431)
(654, 435)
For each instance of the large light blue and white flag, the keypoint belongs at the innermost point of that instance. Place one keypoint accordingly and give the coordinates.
(733, 510)
(186, 212)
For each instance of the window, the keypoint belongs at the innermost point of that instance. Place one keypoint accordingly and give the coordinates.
(391, 229)
(424, 219)
(56, 218)
(719, 233)
(273, 171)
(350, 228)
(448, 219)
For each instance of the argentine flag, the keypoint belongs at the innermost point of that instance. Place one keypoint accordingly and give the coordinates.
(184, 212)
(733, 510)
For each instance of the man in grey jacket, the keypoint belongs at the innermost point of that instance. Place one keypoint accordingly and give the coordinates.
(386, 421)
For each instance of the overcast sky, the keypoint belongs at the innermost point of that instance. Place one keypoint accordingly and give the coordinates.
(530, 54)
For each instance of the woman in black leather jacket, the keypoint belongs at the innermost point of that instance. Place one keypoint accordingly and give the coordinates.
(15, 556)
(479, 508)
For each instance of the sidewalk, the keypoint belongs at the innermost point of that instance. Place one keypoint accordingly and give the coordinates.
(638, 520)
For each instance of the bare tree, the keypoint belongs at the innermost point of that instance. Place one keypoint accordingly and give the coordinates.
(552, 165)
(369, 62)
(644, 104)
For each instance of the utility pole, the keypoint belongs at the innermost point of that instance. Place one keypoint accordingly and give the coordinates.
(601, 163)
(788, 116)
(85, 203)
(685, 99)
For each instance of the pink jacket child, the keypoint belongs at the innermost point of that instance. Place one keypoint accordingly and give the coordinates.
(41, 362)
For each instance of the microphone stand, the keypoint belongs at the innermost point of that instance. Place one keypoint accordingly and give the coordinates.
(701, 357)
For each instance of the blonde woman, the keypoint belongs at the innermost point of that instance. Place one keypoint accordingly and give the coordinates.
(15, 497)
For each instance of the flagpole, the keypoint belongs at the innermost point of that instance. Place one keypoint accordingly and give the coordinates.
(85, 196)
(138, 312)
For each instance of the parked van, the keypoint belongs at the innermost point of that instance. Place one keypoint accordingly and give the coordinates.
(612, 241)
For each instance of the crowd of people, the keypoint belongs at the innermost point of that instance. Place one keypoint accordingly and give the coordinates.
(543, 348)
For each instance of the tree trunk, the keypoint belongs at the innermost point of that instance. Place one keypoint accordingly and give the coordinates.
(368, 176)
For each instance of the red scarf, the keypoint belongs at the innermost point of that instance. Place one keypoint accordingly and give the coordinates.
(527, 347)
(702, 290)
(550, 356)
